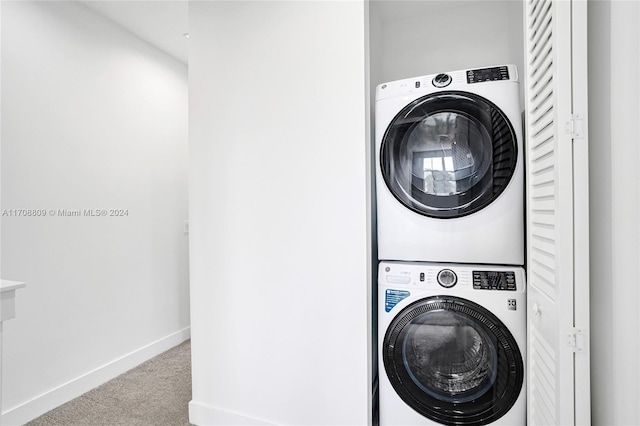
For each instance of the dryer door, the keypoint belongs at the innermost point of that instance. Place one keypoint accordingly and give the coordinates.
(448, 154)
(453, 361)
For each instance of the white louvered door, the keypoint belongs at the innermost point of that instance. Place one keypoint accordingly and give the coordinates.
(557, 218)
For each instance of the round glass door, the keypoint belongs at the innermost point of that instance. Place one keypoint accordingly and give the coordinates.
(448, 154)
(453, 361)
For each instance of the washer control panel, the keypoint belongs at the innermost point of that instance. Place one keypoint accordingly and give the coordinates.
(494, 280)
(488, 74)
(443, 277)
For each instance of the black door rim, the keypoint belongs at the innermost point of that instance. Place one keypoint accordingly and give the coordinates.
(489, 403)
(485, 188)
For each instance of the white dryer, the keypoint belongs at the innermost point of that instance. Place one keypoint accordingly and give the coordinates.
(451, 341)
(450, 175)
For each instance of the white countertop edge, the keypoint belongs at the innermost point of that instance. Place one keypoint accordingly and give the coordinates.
(7, 285)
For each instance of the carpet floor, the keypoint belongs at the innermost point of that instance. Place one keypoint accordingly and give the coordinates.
(155, 393)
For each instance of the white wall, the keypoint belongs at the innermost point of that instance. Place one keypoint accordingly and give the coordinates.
(278, 210)
(614, 111)
(421, 38)
(92, 118)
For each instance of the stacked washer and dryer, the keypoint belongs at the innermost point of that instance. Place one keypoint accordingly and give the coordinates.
(450, 211)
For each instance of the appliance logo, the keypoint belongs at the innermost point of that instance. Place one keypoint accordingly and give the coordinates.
(512, 304)
(392, 297)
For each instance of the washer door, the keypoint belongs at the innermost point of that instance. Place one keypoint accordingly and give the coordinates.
(453, 361)
(448, 154)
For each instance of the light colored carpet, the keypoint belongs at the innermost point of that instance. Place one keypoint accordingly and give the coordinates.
(155, 393)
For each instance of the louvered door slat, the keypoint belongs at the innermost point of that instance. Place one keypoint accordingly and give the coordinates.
(540, 256)
(542, 130)
(539, 14)
(544, 177)
(541, 151)
(542, 191)
(544, 392)
(545, 250)
(543, 80)
(541, 64)
(542, 41)
(542, 164)
(542, 99)
(534, 9)
(544, 364)
(541, 38)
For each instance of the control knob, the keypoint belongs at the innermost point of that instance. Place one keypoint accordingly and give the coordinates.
(447, 278)
(441, 80)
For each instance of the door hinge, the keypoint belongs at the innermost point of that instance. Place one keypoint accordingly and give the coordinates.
(577, 339)
(575, 126)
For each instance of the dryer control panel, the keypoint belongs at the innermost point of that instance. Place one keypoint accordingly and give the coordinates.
(488, 74)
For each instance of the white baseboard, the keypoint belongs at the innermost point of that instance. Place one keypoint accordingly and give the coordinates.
(204, 415)
(49, 400)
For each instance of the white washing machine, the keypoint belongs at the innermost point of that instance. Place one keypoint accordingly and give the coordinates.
(450, 178)
(452, 341)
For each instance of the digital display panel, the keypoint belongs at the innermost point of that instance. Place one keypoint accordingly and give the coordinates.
(488, 74)
(494, 280)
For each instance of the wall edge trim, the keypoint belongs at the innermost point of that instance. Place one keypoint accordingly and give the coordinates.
(55, 397)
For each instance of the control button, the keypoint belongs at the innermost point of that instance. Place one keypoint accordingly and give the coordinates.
(441, 80)
(421, 276)
(447, 278)
(399, 279)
